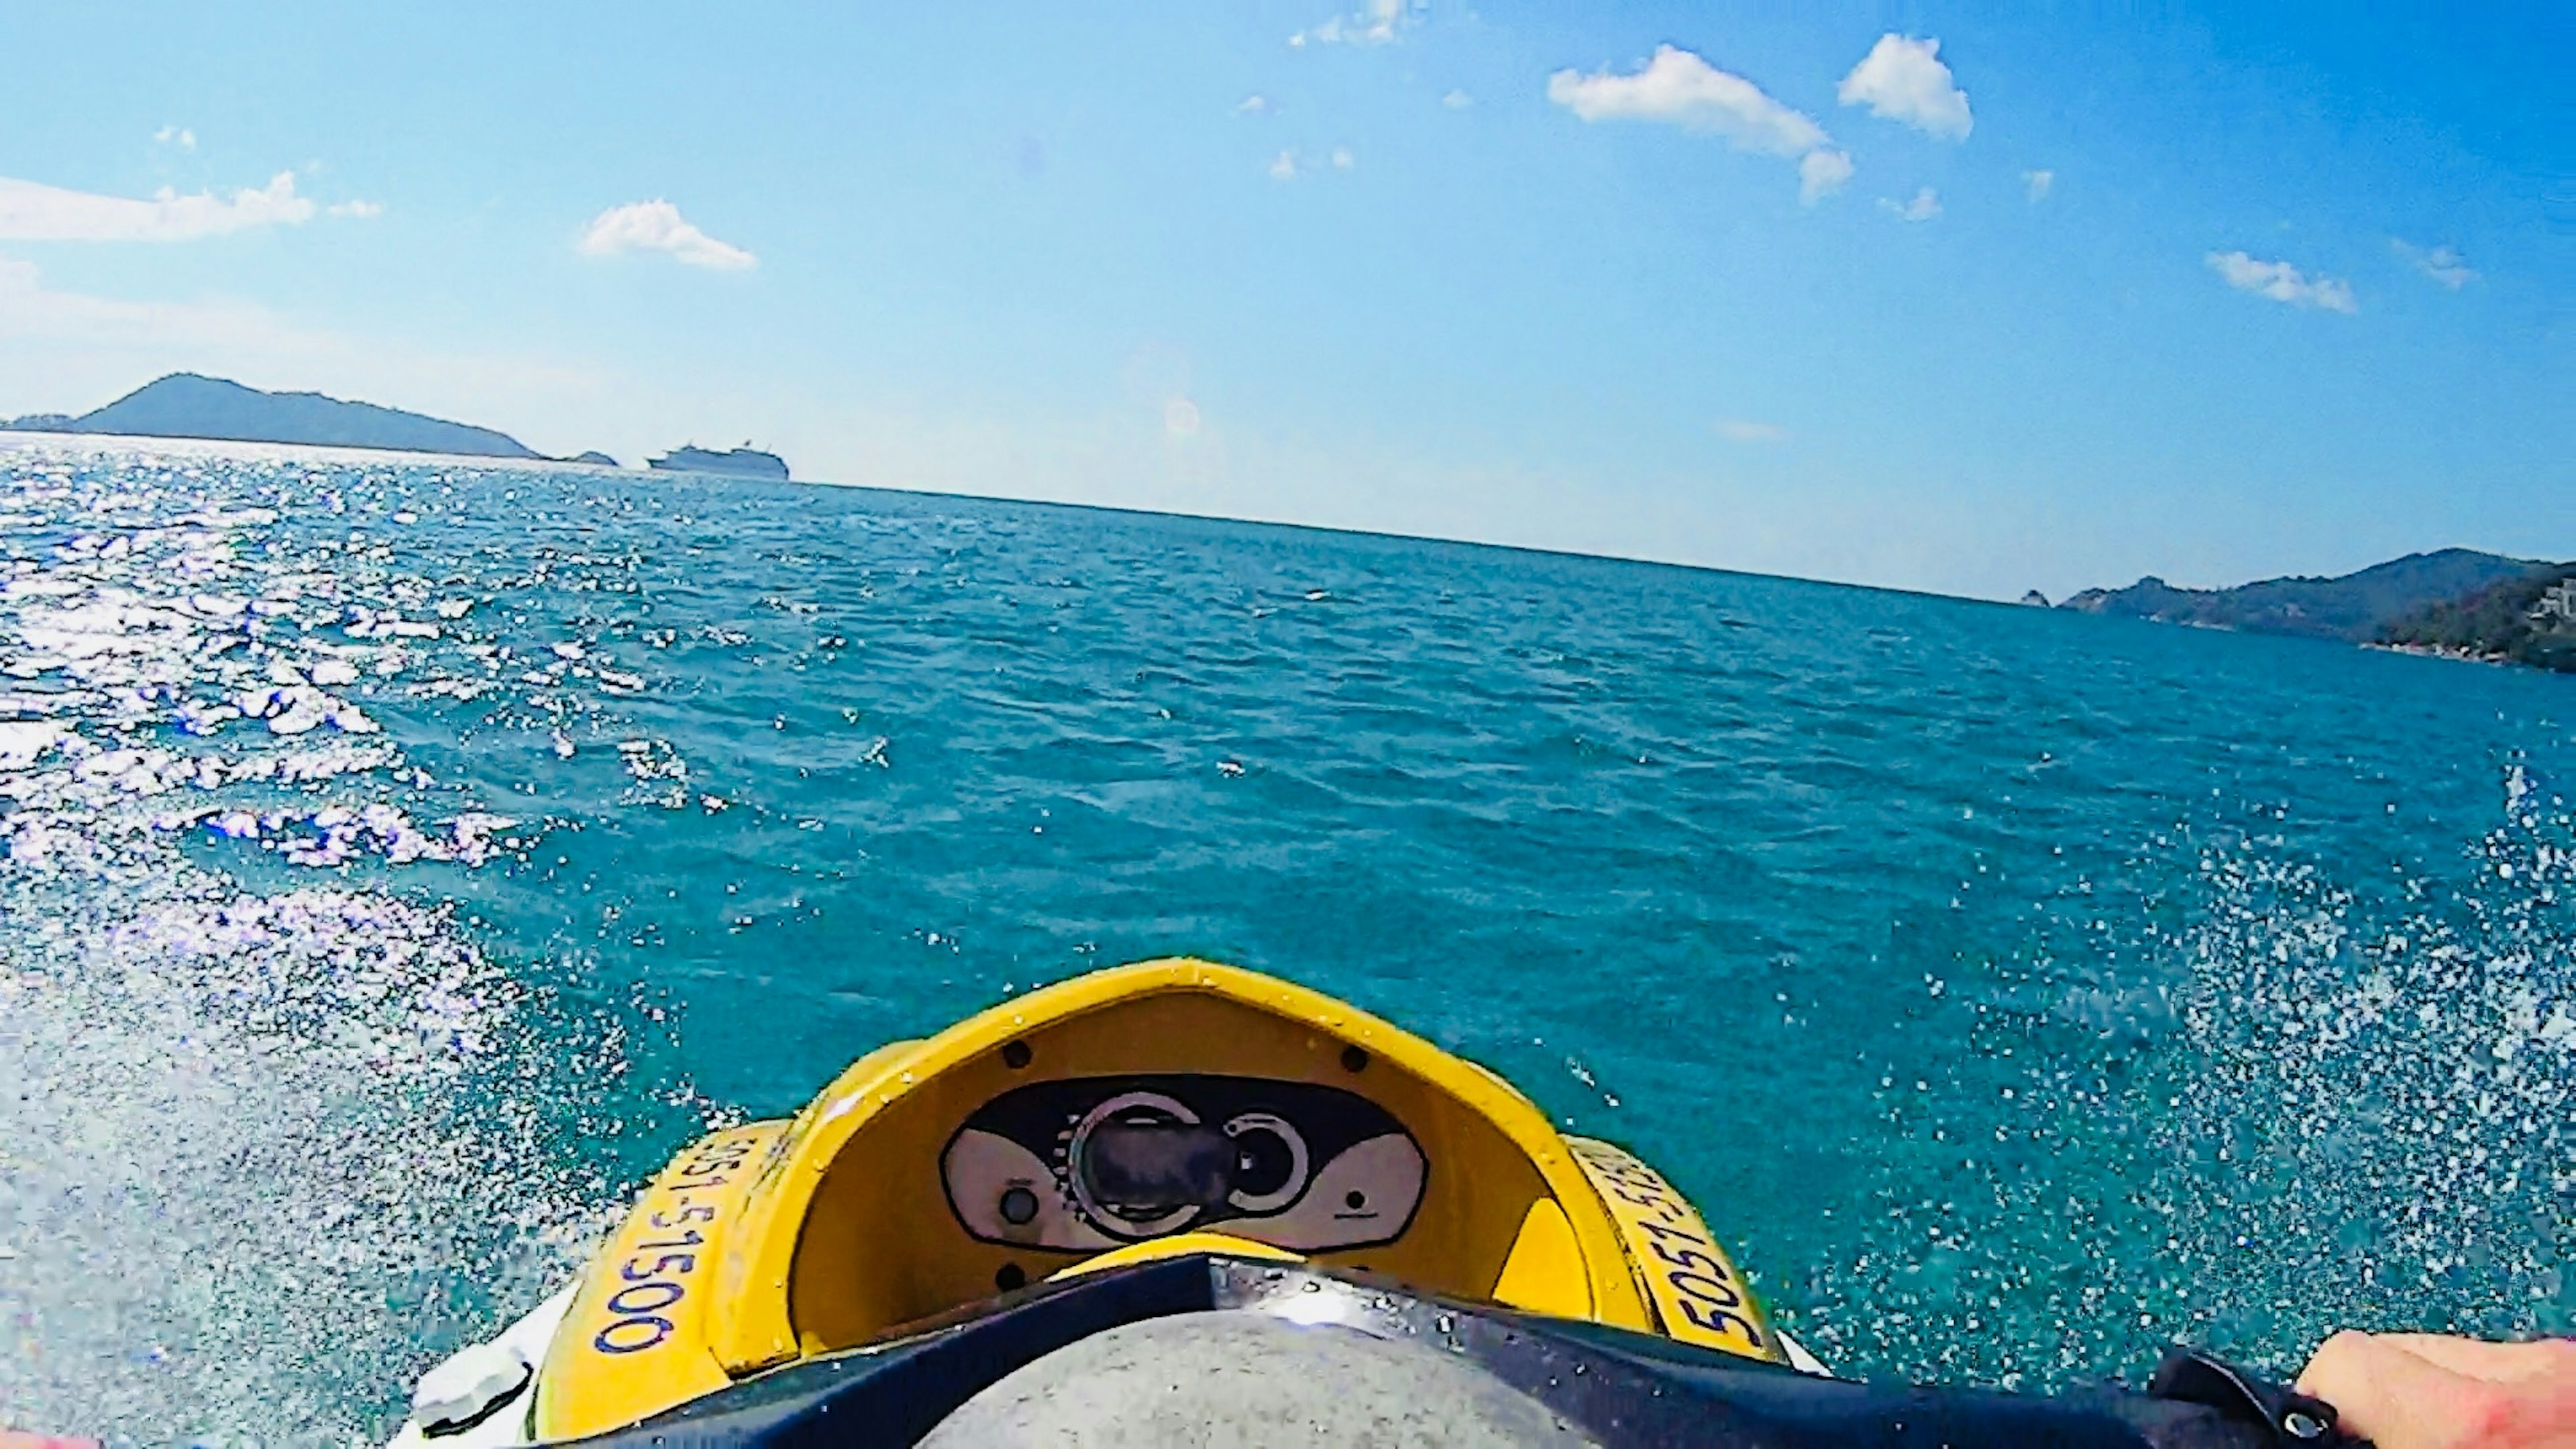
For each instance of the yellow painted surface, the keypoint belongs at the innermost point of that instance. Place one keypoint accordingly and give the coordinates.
(1178, 1245)
(1544, 1273)
(833, 1230)
(635, 1340)
(850, 1237)
(750, 1319)
(1699, 1296)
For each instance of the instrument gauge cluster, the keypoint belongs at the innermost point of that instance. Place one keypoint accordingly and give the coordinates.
(1092, 1162)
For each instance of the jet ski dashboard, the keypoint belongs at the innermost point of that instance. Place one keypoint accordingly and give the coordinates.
(1086, 1164)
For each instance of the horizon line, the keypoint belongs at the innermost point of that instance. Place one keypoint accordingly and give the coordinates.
(486, 460)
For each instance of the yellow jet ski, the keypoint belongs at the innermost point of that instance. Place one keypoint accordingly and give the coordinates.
(1178, 1202)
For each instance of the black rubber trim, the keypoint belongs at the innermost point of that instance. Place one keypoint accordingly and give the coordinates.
(1624, 1389)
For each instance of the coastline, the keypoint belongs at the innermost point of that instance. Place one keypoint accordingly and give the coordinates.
(2457, 655)
(157, 440)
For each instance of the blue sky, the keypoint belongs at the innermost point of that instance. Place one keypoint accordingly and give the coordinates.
(1591, 277)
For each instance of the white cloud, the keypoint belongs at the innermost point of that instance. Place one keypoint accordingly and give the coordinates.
(1904, 80)
(32, 211)
(2037, 183)
(1679, 88)
(1457, 100)
(1252, 105)
(1744, 430)
(1925, 206)
(657, 226)
(1289, 165)
(1821, 174)
(2282, 282)
(2443, 264)
(1379, 24)
(179, 136)
(359, 209)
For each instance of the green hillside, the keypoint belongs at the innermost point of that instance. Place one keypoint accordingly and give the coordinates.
(2356, 607)
(185, 405)
(2529, 620)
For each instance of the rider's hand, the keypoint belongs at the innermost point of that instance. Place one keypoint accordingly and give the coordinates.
(2425, 1391)
(15, 1439)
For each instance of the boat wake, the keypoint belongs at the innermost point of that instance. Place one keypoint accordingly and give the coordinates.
(252, 1126)
(2413, 1056)
(2291, 1102)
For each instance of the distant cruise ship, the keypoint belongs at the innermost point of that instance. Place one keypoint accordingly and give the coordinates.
(745, 461)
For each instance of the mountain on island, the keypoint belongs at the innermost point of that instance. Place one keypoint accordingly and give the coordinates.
(186, 405)
(2355, 607)
(2456, 602)
(745, 461)
(2525, 620)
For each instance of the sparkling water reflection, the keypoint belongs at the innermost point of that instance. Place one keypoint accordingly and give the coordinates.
(401, 857)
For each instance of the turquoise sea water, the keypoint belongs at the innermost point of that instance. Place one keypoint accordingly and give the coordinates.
(397, 859)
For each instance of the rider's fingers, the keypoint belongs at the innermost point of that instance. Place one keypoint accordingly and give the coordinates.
(2384, 1393)
(2495, 1362)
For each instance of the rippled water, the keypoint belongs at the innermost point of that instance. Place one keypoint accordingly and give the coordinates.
(401, 857)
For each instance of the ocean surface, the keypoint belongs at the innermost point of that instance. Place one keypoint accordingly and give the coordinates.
(399, 858)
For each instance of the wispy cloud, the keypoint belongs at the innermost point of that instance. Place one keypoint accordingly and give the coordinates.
(359, 209)
(1380, 24)
(31, 311)
(657, 226)
(1288, 165)
(1925, 206)
(1744, 430)
(2036, 183)
(179, 136)
(32, 211)
(1821, 174)
(2282, 282)
(1903, 79)
(68, 350)
(1252, 105)
(2443, 264)
(1457, 100)
(1679, 88)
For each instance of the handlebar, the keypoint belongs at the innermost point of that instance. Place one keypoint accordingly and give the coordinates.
(1230, 1347)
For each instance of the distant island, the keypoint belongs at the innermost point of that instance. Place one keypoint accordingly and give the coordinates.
(187, 405)
(745, 461)
(2455, 601)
